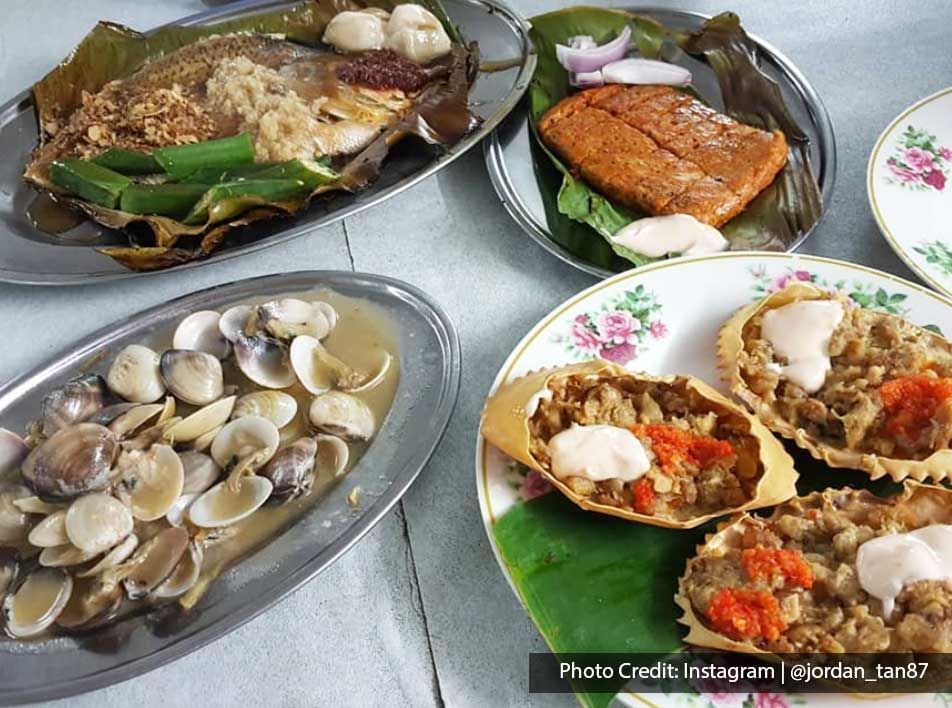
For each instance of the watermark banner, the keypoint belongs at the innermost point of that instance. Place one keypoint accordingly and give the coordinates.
(724, 672)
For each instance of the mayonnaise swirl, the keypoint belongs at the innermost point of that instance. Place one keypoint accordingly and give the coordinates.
(800, 333)
(597, 453)
(886, 564)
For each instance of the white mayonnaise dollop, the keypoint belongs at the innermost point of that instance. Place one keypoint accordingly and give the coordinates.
(886, 564)
(658, 236)
(416, 33)
(800, 332)
(360, 31)
(598, 452)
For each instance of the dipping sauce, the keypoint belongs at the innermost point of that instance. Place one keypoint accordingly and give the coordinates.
(598, 452)
(800, 333)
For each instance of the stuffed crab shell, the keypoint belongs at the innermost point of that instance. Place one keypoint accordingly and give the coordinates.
(664, 451)
(856, 388)
(837, 571)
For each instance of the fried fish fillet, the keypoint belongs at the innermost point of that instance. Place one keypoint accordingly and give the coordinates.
(659, 150)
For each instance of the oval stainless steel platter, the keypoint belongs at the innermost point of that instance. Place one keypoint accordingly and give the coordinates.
(508, 151)
(429, 358)
(30, 256)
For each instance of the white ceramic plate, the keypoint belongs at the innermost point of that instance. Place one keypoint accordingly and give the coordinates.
(664, 318)
(909, 183)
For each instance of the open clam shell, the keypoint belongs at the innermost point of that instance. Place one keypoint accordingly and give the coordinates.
(153, 481)
(200, 422)
(506, 417)
(192, 376)
(290, 317)
(13, 450)
(154, 561)
(221, 506)
(97, 522)
(731, 350)
(264, 361)
(37, 602)
(277, 406)
(200, 332)
(917, 505)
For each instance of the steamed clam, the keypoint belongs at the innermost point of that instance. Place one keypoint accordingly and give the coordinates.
(233, 321)
(92, 602)
(151, 482)
(252, 438)
(113, 558)
(74, 461)
(132, 420)
(319, 371)
(184, 576)
(200, 471)
(73, 402)
(14, 522)
(200, 332)
(223, 505)
(264, 361)
(343, 415)
(276, 406)
(192, 376)
(200, 422)
(65, 555)
(289, 318)
(37, 602)
(50, 532)
(153, 562)
(291, 470)
(135, 376)
(96, 522)
(332, 455)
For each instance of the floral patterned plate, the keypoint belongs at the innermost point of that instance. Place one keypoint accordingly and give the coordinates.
(909, 182)
(663, 318)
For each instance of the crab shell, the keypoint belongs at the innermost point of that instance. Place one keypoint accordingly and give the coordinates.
(505, 424)
(922, 504)
(730, 344)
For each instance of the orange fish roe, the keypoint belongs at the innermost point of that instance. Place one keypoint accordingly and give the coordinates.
(644, 497)
(911, 401)
(764, 563)
(741, 614)
(672, 445)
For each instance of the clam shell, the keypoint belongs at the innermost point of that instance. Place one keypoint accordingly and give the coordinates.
(73, 402)
(35, 505)
(730, 343)
(923, 505)
(13, 450)
(132, 420)
(116, 556)
(93, 602)
(330, 314)
(201, 471)
(242, 437)
(14, 521)
(185, 575)
(155, 482)
(97, 522)
(200, 332)
(61, 556)
(505, 424)
(192, 376)
(291, 470)
(50, 532)
(289, 317)
(333, 454)
(343, 415)
(37, 602)
(264, 361)
(219, 506)
(154, 561)
(177, 514)
(233, 321)
(202, 421)
(135, 376)
(73, 461)
(277, 406)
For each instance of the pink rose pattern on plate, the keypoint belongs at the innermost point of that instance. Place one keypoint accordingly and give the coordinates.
(918, 162)
(619, 331)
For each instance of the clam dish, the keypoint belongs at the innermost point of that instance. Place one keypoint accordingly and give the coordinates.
(143, 479)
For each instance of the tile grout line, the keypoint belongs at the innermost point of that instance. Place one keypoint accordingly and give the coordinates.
(402, 513)
(350, 253)
(437, 688)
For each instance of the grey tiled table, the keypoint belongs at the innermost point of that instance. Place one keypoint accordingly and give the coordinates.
(418, 613)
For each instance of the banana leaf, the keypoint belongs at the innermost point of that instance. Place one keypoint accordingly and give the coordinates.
(439, 115)
(774, 220)
(596, 584)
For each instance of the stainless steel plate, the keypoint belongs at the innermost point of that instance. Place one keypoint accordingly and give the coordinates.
(430, 367)
(28, 255)
(508, 151)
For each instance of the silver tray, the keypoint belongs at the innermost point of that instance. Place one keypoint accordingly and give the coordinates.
(512, 171)
(28, 255)
(430, 369)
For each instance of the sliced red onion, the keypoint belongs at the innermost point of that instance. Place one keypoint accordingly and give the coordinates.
(586, 60)
(581, 41)
(587, 79)
(645, 71)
